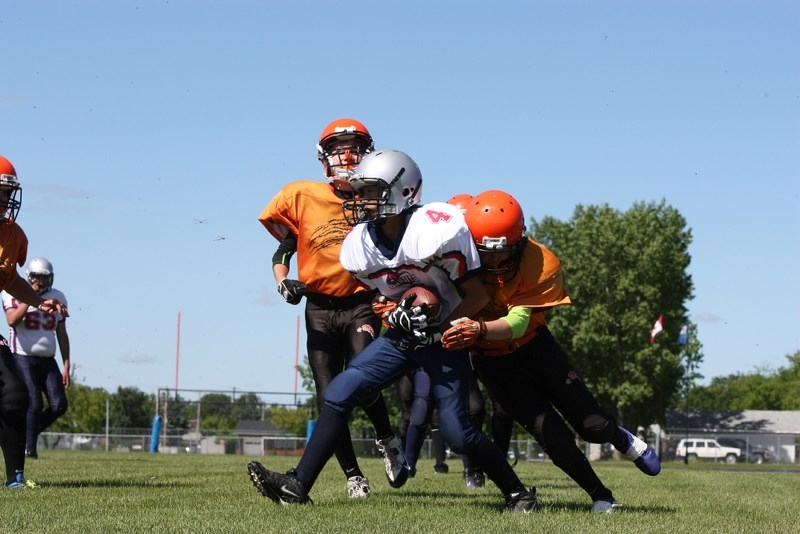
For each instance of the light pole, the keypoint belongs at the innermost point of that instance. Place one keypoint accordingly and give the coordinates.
(686, 440)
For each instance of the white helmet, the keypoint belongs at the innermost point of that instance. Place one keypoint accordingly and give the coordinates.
(40, 267)
(385, 183)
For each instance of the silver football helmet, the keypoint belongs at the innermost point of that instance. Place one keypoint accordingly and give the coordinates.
(40, 267)
(385, 183)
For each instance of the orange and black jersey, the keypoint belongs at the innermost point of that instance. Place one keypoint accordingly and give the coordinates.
(537, 284)
(311, 211)
(13, 251)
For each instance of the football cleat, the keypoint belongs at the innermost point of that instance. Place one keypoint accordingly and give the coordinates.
(20, 482)
(474, 478)
(358, 487)
(605, 506)
(441, 469)
(394, 460)
(283, 489)
(522, 502)
(642, 455)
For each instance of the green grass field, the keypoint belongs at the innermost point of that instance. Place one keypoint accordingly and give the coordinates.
(141, 492)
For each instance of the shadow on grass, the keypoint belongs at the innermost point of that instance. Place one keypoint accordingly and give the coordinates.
(112, 483)
(482, 500)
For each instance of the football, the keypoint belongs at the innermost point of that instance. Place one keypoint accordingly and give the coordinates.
(428, 297)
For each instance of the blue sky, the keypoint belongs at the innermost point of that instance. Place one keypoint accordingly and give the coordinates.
(149, 135)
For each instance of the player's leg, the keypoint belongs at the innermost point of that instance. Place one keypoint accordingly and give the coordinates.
(361, 326)
(30, 372)
(13, 409)
(572, 398)
(419, 417)
(327, 358)
(473, 475)
(512, 381)
(54, 392)
(405, 394)
(380, 364)
(502, 427)
(450, 375)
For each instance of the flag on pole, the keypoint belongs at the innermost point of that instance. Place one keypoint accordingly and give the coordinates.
(683, 336)
(658, 327)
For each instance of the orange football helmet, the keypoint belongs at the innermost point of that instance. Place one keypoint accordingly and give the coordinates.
(461, 201)
(11, 200)
(341, 146)
(497, 225)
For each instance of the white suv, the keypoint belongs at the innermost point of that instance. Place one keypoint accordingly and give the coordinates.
(694, 448)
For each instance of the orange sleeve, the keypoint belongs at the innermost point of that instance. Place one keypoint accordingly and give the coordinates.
(538, 284)
(280, 216)
(313, 212)
(13, 251)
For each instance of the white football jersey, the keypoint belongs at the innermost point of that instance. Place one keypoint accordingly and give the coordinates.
(35, 335)
(435, 251)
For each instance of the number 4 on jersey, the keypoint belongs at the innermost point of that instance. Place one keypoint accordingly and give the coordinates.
(437, 216)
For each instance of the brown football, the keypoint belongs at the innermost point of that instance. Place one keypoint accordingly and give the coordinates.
(428, 297)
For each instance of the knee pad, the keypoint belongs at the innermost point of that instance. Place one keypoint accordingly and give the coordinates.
(598, 428)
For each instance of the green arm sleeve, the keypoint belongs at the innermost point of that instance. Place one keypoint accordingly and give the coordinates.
(518, 318)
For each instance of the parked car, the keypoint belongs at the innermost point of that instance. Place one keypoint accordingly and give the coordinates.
(710, 449)
(754, 453)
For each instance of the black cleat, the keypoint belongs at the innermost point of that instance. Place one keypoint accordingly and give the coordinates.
(522, 502)
(283, 489)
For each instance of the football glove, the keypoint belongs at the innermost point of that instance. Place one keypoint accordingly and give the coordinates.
(407, 318)
(426, 338)
(382, 306)
(463, 333)
(292, 291)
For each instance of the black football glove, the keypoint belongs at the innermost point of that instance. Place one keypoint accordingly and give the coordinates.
(292, 291)
(426, 337)
(408, 319)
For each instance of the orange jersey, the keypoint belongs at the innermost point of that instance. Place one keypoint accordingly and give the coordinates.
(312, 211)
(13, 251)
(537, 284)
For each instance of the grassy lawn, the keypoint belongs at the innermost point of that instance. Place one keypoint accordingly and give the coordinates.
(140, 492)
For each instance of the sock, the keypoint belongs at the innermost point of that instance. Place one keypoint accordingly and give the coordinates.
(327, 431)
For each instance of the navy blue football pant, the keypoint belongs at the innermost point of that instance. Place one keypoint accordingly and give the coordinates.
(41, 375)
(380, 364)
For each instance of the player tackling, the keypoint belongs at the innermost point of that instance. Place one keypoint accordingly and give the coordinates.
(395, 244)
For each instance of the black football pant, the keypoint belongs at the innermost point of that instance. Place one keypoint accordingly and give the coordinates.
(337, 330)
(13, 408)
(535, 381)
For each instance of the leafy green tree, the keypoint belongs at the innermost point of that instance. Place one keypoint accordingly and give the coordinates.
(761, 390)
(86, 412)
(288, 419)
(248, 406)
(176, 410)
(131, 408)
(217, 411)
(788, 379)
(623, 270)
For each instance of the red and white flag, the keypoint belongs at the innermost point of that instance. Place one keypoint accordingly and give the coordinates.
(658, 327)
